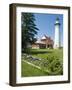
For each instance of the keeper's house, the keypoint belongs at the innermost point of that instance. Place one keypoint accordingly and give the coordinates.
(44, 42)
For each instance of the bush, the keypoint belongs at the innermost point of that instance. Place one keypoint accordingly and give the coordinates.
(55, 66)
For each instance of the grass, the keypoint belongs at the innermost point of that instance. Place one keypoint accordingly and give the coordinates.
(44, 53)
(51, 61)
(28, 70)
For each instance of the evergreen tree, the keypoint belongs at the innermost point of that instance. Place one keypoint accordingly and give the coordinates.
(29, 29)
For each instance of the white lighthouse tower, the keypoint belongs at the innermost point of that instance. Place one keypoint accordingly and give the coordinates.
(57, 34)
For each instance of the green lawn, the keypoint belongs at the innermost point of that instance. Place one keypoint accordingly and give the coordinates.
(28, 70)
(44, 53)
(51, 61)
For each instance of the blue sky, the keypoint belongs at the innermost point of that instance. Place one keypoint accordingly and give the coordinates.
(45, 24)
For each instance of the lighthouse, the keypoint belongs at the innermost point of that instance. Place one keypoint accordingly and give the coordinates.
(57, 34)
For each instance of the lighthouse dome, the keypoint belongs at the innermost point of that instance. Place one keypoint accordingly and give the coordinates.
(57, 21)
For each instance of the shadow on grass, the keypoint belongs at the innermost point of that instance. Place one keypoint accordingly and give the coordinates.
(39, 52)
(36, 51)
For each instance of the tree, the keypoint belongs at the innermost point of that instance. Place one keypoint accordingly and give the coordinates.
(29, 29)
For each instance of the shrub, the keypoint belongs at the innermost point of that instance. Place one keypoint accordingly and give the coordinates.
(55, 66)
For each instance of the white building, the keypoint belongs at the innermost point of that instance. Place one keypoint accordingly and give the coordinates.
(57, 34)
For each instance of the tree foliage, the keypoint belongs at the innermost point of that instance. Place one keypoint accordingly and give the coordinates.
(29, 29)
